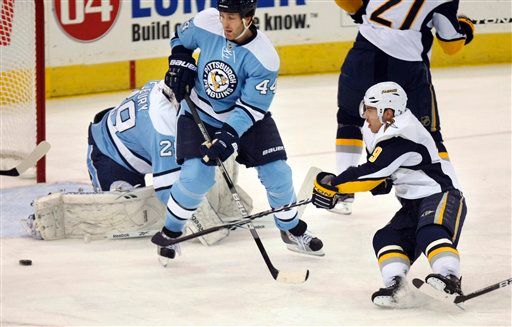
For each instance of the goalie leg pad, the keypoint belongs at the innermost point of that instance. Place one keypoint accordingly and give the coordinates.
(75, 215)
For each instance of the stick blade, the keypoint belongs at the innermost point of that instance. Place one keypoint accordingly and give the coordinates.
(293, 277)
(30, 161)
(432, 292)
(306, 189)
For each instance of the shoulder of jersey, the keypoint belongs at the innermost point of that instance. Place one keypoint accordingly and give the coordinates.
(162, 113)
(263, 49)
(208, 20)
(408, 127)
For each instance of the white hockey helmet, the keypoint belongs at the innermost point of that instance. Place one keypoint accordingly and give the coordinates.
(385, 95)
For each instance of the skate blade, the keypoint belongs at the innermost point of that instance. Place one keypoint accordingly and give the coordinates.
(386, 302)
(293, 248)
(164, 261)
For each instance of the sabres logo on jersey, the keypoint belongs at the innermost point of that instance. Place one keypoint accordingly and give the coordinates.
(219, 79)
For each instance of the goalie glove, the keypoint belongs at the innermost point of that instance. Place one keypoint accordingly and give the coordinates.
(325, 195)
(467, 27)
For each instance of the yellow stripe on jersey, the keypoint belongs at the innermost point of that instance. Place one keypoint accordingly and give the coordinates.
(441, 208)
(443, 249)
(451, 47)
(393, 255)
(350, 142)
(358, 186)
(444, 155)
(350, 6)
(457, 220)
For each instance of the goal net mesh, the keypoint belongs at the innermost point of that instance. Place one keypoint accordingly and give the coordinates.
(18, 114)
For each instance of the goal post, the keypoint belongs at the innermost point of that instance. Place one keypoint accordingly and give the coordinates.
(22, 82)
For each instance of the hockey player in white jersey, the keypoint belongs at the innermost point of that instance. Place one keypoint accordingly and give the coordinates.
(433, 209)
(232, 86)
(137, 138)
(394, 43)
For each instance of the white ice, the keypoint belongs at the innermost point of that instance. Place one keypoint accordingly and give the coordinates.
(120, 282)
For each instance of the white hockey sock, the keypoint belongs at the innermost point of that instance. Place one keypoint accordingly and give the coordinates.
(345, 160)
(449, 265)
(393, 269)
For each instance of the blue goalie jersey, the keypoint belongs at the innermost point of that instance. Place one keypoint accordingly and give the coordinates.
(140, 134)
(235, 83)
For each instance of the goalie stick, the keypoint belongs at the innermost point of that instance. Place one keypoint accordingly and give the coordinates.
(119, 235)
(306, 188)
(280, 276)
(30, 161)
(457, 299)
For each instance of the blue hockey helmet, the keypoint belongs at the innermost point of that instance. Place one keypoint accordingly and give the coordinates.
(243, 7)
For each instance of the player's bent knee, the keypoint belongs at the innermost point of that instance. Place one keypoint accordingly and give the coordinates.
(430, 233)
(384, 237)
(276, 176)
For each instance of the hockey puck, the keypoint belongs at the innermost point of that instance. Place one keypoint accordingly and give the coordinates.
(25, 262)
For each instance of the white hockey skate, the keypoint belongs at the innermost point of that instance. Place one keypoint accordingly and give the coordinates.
(387, 297)
(344, 206)
(396, 296)
(304, 242)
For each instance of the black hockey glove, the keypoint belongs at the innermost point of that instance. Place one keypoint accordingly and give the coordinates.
(225, 142)
(325, 195)
(383, 188)
(467, 27)
(181, 74)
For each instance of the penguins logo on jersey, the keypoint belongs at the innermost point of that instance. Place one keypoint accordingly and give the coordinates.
(219, 80)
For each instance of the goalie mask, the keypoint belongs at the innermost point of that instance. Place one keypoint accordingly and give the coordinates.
(385, 95)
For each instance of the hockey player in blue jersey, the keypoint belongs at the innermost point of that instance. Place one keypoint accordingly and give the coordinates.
(137, 138)
(133, 139)
(404, 155)
(232, 87)
(394, 43)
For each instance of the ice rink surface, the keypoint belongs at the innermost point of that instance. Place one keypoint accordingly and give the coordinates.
(121, 283)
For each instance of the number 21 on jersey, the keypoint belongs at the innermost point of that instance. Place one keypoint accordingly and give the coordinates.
(406, 17)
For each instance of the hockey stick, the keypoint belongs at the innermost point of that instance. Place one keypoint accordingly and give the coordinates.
(493, 287)
(235, 223)
(285, 277)
(120, 235)
(303, 196)
(457, 299)
(30, 161)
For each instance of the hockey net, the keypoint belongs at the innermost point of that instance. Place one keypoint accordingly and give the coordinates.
(22, 98)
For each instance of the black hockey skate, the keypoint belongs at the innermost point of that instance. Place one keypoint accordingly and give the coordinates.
(165, 252)
(450, 284)
(387, 297)
(299, 239)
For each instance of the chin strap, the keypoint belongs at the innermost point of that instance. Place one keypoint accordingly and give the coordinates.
(246, 27)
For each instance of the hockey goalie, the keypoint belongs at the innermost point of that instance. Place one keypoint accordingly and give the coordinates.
(126, 143)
